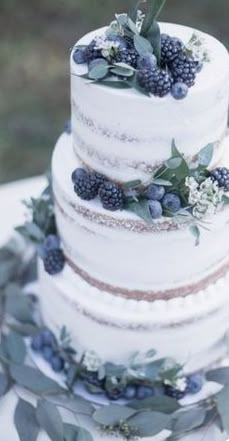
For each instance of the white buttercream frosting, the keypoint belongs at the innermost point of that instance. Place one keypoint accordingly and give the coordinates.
(110, 248)
(124, 134)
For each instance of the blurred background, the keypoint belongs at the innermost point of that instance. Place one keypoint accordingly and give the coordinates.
(36, 37)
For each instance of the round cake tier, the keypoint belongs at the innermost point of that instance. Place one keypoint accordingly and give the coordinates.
(192, 330)
(125, 134)
(119, 252)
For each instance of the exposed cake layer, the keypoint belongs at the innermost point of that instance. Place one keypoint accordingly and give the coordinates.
(126, 135)
(120, 253)
(192, 329)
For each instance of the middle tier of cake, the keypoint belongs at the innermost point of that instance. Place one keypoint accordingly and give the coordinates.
(119, 253)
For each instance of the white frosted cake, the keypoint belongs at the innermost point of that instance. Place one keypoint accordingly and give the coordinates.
(135, 278)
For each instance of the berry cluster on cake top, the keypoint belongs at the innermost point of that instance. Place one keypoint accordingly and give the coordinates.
(133, 53)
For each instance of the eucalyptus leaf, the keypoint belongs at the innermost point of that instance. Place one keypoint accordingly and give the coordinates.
(18, 305)
(99, 70)
(132, 184)
(16, 348)
(154, 36)
(122, 71)
(4, 383)
(132, 26)
(195, 231)
(183, 170)
(205, 155)
(222, 401)
(31, 231)
(220, 375)
(112, 415)
(153, 369)
(141, 209)
(174, 162)
(26, 330)
(154, 9)
(114, 84)
(74, 433)
(34, 380)
(142, 45)
(76, 404)
(163, 182)
(225, 199)
(50, 420)
(122, 19)
(160, 403)
(25, 421)
(186, 421)
(8, 266)
(149, 423)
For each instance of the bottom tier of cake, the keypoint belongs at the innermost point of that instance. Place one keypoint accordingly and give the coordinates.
(192, 330)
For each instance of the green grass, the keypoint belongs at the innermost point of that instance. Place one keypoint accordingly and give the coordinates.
(34, 68)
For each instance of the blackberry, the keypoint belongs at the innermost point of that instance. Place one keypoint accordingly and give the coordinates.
(156, 81)
(54, 261)
(111, 196)
(86, 184)
(172, 392)
(170, 48)
(184, 69)
(91, 52)
(127, 56)
(221, 175)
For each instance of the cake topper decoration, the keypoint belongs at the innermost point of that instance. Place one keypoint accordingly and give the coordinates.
(132, 53)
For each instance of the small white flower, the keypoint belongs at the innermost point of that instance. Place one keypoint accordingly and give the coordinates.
(179, 384)
(205, 198)
(140, 19)
(91, 361)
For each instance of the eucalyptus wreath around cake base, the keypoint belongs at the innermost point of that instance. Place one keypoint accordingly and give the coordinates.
(142, 398)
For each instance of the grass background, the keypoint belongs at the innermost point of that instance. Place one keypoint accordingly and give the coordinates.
(34, 67)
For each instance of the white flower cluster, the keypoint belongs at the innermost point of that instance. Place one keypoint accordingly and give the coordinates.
(205, 198)
(106, 46)
(140, 19)
(179, 384)
(91, 361)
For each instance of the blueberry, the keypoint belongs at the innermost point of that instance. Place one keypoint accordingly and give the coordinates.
(48, 338)
(68, 127)
(171, 202)
(48, 353)
(155, 192)
(194, 383)
(57, 363)
(130, 392)
(155, 209)
(144, 392)
(118, 39)
(37, 342)
(179, 91)
(79, 56)
(51, 242)
(78, 173)
(147, 61)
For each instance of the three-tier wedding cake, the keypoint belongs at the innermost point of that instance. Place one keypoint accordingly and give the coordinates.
(140, 275)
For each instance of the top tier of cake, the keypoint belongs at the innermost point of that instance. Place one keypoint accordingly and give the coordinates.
(125, 134)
